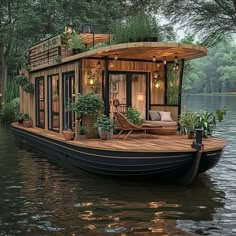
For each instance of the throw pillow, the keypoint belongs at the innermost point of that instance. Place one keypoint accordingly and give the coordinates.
(165, 115)
(154, 115)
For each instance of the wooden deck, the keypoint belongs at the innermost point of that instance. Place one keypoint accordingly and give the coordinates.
(137, 142)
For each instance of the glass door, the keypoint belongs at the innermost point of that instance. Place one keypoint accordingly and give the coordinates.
(138, 91)
(68, 97)
(127, 90)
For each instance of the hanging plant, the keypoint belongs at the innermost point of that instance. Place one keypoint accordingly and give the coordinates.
(20, 80)
(28, 88)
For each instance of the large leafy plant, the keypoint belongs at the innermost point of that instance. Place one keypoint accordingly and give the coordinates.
(188, 121)
(87, 104)
(204, 120)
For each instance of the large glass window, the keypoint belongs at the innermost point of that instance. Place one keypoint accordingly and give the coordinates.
(40, 102)
(68, 97)
(127, 90)
(53, 103)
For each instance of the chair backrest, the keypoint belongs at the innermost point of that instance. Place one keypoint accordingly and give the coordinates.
(123, 122)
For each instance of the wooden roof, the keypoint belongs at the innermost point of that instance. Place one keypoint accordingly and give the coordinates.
(140, 50)
(98, 38)
(146, 51)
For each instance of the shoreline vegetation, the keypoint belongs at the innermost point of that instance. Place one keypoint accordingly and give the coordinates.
(211, 94)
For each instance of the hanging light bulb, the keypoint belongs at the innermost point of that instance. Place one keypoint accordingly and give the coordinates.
(115, 57)
(111, 65)
(176, 60)
(153, 58)
(164, 61)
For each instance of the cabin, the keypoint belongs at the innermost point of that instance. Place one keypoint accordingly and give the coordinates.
(144, 75)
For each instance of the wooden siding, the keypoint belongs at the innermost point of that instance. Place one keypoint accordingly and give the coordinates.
(27, 101)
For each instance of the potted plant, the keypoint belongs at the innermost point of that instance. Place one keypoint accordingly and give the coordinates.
(87, 106)
(133, 115)
(20, 118)
(67, 132)
(72, 41)
(139, 28)
(28, 87)
(27, 123)
(82, 132)
(105, 127)
(20, 80)
(188, 121)
(206, 121)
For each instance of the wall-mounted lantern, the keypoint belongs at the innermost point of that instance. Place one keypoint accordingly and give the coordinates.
(156, 80)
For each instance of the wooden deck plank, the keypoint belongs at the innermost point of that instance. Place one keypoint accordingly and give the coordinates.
(137, 142)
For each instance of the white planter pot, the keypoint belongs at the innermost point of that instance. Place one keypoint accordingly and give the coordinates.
(105, 134)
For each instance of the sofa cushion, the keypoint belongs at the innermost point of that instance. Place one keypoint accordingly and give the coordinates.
(154, 115)
(159, 123)
(165, 115)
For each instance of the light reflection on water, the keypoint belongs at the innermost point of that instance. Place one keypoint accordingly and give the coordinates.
(40, 198)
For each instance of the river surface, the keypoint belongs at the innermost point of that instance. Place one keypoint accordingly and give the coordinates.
(42, 198)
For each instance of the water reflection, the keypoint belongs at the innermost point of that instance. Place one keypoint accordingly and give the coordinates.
(41, 198)
(69, 200)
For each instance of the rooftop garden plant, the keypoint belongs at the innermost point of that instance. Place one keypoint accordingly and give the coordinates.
(138, 28)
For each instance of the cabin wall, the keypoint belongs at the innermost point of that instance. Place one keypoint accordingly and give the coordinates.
(96, 67)
(27, 101)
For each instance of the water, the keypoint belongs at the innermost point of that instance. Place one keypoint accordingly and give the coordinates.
(42, 198)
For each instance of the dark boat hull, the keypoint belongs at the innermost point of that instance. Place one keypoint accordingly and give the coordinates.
(168, 165)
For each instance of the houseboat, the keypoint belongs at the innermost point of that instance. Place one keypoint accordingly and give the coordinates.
(144, 75)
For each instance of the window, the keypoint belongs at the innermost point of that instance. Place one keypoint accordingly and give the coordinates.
(40, 102)
(53, 103)
(68, 97)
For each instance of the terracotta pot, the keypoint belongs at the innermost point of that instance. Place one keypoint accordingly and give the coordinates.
(191, 135)
(67, 134)
(28, 123)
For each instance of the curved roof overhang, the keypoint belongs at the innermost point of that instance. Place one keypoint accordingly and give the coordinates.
(146, 51)
(139, 51)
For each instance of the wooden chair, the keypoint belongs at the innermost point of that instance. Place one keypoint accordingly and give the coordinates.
(125, 125)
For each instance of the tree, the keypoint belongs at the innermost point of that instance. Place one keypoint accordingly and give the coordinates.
(213, 20)
(214, 73)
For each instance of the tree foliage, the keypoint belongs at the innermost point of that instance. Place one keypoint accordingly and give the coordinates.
(213, 20)
(214, 73)
(25, 22)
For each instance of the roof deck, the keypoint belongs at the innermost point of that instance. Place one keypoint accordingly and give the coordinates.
(52, 52)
